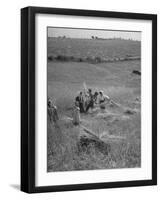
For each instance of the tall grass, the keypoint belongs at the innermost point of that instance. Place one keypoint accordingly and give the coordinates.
(67, 153)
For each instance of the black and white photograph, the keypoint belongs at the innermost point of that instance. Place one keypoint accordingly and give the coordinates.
(89, 99)
(93, 99)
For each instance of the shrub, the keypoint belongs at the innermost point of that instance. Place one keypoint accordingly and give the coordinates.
(89, 59)
(79, 59)
(98, 59)
(61, 58)
(50, 58)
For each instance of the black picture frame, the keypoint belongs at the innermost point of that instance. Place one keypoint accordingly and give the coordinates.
(28, 98)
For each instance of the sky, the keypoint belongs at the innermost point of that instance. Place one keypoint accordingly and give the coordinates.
(87, 33)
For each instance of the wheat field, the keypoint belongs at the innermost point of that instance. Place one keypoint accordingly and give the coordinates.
(116, 79)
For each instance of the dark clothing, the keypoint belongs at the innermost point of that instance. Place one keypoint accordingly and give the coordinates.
(80, 101)
(81, 106)
(77, 98)
(102, 106)
(90, 105)
(102, 101)
(91, 102)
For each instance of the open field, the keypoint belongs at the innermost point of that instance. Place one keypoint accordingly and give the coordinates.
(88, 48)
(116, 79)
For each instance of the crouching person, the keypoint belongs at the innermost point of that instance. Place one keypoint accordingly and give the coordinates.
(103, 100)
(76, 114)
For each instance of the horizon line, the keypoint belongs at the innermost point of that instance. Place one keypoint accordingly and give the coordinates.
(98, 38)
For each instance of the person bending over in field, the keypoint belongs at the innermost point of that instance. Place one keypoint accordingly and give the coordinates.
(52, 111)
(103, 100)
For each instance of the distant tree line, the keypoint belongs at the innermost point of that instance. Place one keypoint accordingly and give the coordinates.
(114, 38)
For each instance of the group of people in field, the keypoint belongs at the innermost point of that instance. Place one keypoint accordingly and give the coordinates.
(89, 100)
(84, 102)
